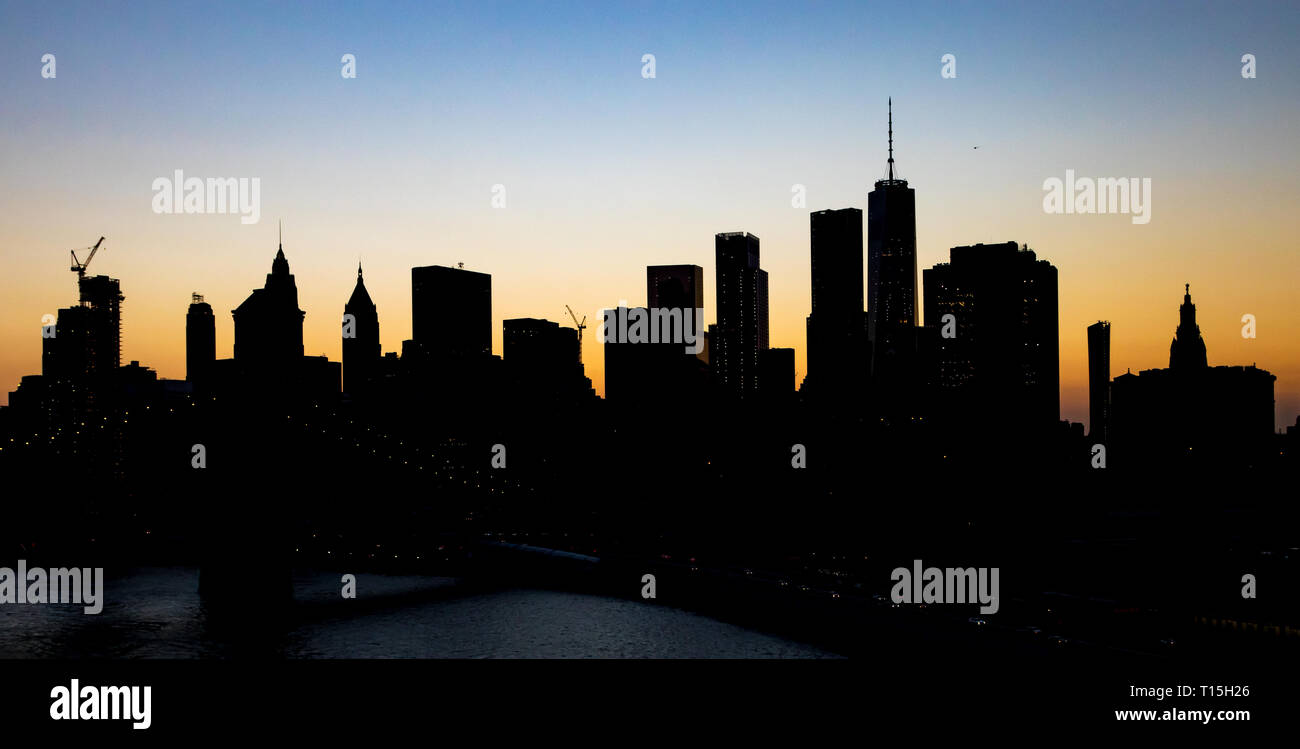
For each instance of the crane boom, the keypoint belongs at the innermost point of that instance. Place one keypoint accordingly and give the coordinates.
(79, 267)
(581, 326)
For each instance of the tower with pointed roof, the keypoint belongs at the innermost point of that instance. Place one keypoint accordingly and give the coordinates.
(268, 325)
(1187, 351)
(891, 262)
(361, 351)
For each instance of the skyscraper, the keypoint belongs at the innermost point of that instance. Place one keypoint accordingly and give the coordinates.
(544, 360)
(87, 338)
(998, 361)
(674, 286)
(1187, 351)
(103, 295)
(200, 341)
(741, 330)
(837, 346)
(540, 346)
(1099, 379)
(361, 352)
(268, 325)
(451, 311)
(891, 262)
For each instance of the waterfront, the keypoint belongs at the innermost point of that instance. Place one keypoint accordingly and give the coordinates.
(156, 612)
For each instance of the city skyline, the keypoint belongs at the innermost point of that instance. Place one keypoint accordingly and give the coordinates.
(597, 365)
(577, 232)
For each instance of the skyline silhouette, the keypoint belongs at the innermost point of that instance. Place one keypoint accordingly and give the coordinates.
(606, 155)
(346, 345)
(890, 234)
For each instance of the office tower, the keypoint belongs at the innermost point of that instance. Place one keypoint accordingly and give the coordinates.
(677, 292)
(628, 361)
(103, 295)
(1099, 379)
(67, 353)
(998, 354)
(361, 353)
(674, 286)
(643, 367)
(544, 359)
(451, 311)
(742, 313)
(891, 263)
(200, 341)
(268, 325)
(837, 346)
(540, 345)
(87, 339)
(1187, 351)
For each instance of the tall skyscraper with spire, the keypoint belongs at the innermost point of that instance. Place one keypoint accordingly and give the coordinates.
(891, 263)
(1187, 351)
(268, 325)
(361, 352)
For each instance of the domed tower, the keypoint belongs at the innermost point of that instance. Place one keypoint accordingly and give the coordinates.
(1187, 351)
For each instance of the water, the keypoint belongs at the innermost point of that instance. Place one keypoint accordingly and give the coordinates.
(157, 613)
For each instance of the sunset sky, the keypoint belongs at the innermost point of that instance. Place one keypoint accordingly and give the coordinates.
(606, 172)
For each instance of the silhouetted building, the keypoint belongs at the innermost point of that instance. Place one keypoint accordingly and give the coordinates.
(1191, 413)
(836, 327)
(87, 339)
(451, 311)
(1187, 350)
(642, 366)
(268, 363)
(741, 331)
(544, 359)
(891, 264)
(361, 350)
(1000, 369)
(268, 325)
(675, 286)
(319, 378)
(1098, 379)
(675, 295)
(200, 341)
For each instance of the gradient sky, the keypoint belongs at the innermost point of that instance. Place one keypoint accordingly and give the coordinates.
(607, 172)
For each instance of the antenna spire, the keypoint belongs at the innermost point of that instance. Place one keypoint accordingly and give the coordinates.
(891, 139)
(282, 234)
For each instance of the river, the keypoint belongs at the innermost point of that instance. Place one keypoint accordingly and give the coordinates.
(157, 613)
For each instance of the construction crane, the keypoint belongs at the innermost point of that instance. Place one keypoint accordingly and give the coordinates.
(581, 327)
(79, 267)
